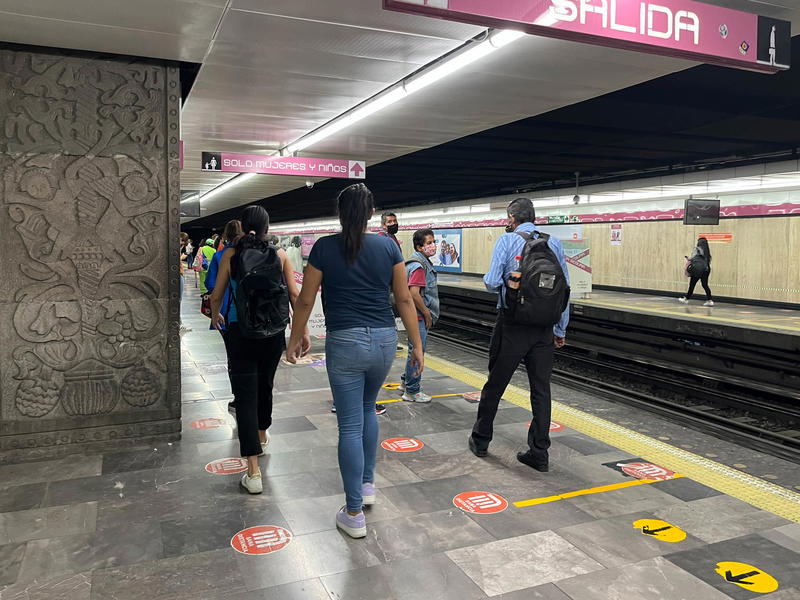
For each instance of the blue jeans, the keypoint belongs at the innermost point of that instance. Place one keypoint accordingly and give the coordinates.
(358, 361)
(413, 382)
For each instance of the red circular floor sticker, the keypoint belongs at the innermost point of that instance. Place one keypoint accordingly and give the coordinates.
(261, 540)
(481, 503)
(643, 470)
(553, 425)
(227, 466)
(207, 423)
(472, 396)
(402, 445)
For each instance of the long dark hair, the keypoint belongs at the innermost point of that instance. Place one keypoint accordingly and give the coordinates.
(255, 224)
(355, 206)
(702, 243)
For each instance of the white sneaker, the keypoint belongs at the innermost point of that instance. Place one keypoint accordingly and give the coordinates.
(264, 445)
(253, 484)
(683, 300)
(418, 397)
(708, 303)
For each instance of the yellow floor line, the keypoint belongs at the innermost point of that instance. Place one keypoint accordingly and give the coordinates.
(401, 400)
(759, 493)
(728, 320)
(595, 490)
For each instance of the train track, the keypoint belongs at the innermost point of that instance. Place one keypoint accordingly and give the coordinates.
(758, 414)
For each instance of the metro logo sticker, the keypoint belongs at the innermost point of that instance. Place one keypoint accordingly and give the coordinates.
(480, 503)
(645, 470)
(207, 423)
(262, 539)
(553, 426)
(402, 445)
(227, 466)
(660, 530)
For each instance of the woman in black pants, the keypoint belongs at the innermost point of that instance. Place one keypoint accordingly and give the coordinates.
(252, 362)
(699, 270)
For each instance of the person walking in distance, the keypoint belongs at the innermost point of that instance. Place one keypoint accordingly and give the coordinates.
(422, 282)
(259, 277)
(390, 227)
(529, 273)
(356, 271)
(699, 269)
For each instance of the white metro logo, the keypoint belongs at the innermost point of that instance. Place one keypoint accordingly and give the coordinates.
(485, 501)
(270, 539)
(654, 20)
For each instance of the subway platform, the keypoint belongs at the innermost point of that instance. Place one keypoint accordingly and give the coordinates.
(634, 507)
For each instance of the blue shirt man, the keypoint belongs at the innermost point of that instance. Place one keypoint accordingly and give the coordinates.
(513, 343)
(504, 260)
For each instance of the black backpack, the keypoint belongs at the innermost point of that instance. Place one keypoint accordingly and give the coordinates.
(543, 293)
(698, 266)
(261, 297)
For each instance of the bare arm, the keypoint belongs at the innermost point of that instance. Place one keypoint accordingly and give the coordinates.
(288, 275)
(407, 312)
(312, 279)
(419, 304)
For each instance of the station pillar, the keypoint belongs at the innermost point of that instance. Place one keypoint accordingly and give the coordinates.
(89, 307)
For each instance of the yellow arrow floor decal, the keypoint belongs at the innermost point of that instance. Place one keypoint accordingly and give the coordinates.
(747, 576)
(661, 530)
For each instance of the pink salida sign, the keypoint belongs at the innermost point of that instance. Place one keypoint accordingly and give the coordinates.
(678, 28)
(226, 162)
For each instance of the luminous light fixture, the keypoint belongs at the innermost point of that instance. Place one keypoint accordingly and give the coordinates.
(233, 181)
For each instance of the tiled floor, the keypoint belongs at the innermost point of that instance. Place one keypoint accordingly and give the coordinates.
(151, 523)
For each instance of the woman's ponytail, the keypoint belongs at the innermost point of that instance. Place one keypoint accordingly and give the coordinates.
(355, 206)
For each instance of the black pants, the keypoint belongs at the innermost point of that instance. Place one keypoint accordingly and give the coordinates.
(511, 344)
(693, 282)
(252, 365)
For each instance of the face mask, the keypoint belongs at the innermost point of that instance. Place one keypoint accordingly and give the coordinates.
(393, 229)
(429, 250)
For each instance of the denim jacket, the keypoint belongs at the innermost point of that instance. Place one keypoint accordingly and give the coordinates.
(430, 294)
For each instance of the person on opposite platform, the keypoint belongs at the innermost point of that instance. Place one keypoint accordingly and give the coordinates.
(699, 269)
(512, 342)
(356, 271)
(422, 283)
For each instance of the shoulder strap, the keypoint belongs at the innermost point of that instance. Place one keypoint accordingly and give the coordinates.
(525, 236)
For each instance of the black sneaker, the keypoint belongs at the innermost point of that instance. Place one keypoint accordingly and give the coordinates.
(526, 459)
(380, 409)
(333, 408)
(232, 406)
(480, 453)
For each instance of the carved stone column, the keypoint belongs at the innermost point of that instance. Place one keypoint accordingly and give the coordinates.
(89, 194)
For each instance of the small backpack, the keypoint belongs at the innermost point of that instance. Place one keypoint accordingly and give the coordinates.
(261, 297)
(698, 266)
(543, 293)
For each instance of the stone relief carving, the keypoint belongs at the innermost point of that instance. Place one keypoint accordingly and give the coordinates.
(85, 194)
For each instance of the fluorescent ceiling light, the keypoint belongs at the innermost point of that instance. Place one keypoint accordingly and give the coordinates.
(233, 181)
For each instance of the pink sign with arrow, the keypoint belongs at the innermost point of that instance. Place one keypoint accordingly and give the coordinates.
(226, 162)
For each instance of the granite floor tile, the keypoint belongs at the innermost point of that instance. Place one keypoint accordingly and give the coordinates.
(719, 518)
(519, 521)
(290, 425)
(686, 489)
(310, 515)
(67, 587)
(419, 535)
(652, 579)
(72, 467)
(134, 460)
(754, 550)
(615, 542)
(306, 557)
(298, 461)
(392, 471)
(126, 544)
(22, 497)
(430, 496)
(522, 562)
(450, 465)
(11, 557)
(194, 575)
(213, 531)
(787, 536)
(56, 521)
(548, 591)
(310, 589)
(585, 445)
(641, 498)
(784, 594)
(412, 579)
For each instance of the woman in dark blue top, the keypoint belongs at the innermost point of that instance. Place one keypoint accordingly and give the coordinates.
(356, 271)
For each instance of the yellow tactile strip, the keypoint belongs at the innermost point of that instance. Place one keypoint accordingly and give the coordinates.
(759, 493)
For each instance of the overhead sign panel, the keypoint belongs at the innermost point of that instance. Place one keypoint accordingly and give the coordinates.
(283, 165)
(678, 28)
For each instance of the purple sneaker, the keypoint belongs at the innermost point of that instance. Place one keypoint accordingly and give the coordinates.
(368, 494)
(354, 526)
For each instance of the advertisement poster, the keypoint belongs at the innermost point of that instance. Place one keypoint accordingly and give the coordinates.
(306, 243)
(448, 250)
(579, 265)
(616, 234)
(316, 322)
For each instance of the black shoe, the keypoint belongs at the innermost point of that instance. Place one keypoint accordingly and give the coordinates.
(477, 451)
(380, 409)
(232, 406)
(526, 459)
(333, 408)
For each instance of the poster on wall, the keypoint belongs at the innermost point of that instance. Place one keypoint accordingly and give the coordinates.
(306, 243)
(316, 322)
(448, 250)
(580, 267)
(616, 234)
